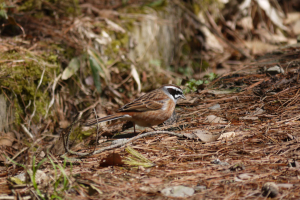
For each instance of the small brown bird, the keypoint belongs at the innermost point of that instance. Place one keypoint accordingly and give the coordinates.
(151, 109)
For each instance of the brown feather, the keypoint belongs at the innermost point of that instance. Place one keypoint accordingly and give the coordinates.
(153, 100)
(150, 109)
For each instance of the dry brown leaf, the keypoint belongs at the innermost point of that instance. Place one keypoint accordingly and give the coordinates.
(215, 119)
(7, 139)
(113, 159)
(227, 135)
(206, 136)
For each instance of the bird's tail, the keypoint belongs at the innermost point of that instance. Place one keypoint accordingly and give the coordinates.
(104, 119)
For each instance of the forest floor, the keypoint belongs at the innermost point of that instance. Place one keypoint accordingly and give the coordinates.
(234, 137)
(259, 122)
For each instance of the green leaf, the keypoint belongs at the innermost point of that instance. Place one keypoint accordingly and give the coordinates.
(137, 159)
(199, 82)
(95, 67)
(156, 3)
(155, 62)
(3, 14)
(16, 180)
(211, 76)
(190, 84)
(100, 65)
(73, 66)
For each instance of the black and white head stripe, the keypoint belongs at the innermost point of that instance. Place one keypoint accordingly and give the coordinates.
(174, 91)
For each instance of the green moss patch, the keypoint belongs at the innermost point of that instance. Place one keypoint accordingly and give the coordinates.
(26, 81)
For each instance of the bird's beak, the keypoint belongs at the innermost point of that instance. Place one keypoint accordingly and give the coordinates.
(183, 97)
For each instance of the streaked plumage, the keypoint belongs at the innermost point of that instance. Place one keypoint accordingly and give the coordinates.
(150, 109)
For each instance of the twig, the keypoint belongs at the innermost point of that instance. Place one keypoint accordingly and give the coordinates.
(66, 142)
(27, 131)
(53, 94)
(16, 155)
(97, 133)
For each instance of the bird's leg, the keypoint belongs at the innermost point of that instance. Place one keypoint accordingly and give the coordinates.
(152, 128)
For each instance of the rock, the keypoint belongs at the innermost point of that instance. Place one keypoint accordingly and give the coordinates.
(270, 189)
(178, 191)
(275, 70)
(215, 107)
(244, 176)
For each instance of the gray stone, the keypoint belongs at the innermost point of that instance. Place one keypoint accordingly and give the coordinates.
(275, 70)
(178, 191)
(215, 107)
(270, 189)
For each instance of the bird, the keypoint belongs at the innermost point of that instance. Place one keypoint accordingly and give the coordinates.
(150, 109)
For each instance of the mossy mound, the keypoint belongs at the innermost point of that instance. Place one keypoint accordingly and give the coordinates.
(26, 81)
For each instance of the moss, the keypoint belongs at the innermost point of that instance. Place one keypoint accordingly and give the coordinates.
(52, 7)
(27, 5)
(22, 81)
(119, 43)
(79, 135)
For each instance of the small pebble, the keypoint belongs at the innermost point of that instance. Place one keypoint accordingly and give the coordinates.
(270, 189)
(215, 107)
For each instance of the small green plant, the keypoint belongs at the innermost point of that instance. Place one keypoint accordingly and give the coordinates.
(32, 173)
(62, 180)
(58, 194)
(137, 159)
(192, 85)
(3, 13)
(211, 76)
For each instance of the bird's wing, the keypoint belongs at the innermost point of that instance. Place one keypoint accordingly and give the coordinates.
(151, 101)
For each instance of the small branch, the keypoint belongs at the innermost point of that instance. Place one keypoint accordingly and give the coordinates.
(27, 131)
(97, 133)
(66, 142)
